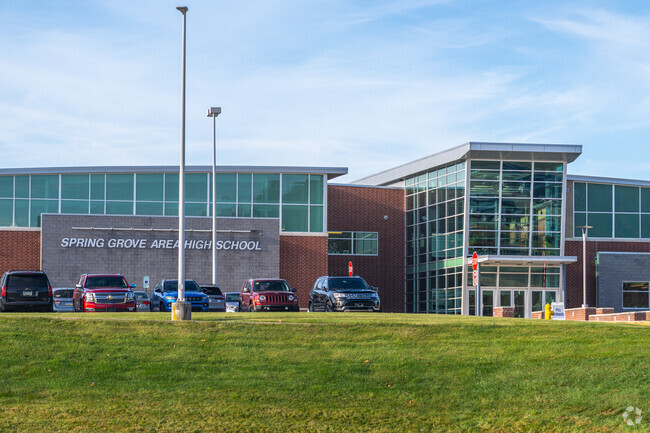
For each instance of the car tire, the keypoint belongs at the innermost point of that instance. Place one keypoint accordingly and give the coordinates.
(328, 307)
(161, 307)
(311, 307)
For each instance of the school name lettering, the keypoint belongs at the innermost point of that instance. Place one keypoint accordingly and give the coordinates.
(129, 243)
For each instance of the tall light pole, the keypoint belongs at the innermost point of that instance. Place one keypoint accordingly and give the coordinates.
(214, 112)
(584, 265)
(181, 197)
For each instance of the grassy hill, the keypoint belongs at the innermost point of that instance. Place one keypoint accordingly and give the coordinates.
(318, 372)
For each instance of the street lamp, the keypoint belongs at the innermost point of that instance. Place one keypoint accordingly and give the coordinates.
(179, 308)
(584, 265)
(214, 112)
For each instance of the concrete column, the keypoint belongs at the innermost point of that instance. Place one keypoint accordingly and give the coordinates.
(181, 310)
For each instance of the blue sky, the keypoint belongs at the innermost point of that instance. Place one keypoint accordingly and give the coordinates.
(360, 84)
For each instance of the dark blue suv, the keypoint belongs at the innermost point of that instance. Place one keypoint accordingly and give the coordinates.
(166, 293)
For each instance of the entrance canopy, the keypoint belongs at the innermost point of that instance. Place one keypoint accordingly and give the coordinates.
(496, 260)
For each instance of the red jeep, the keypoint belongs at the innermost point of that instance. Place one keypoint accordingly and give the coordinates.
(266, 294)
(94, 292)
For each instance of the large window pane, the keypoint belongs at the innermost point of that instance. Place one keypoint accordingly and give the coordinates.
(482, 222)
(579, 220)
(580, 196)
(626, 199)
(635, 295)
(196, 187)
(482, 239)
(295, 189)
(149, 208)
(171, 188)
(97, 208)
(226, 188)
(97, 186)
(339, 243)
(244, 210)
(517, 207)
(119, 208)
(484, 205)
(484, 188)
(601, 225)
(45, 186)
(7, 186)
(42, 206)
(197, 209)
(626, 225)
(548, 177)
(245, 187)
(516, 189)
(484, 175)
(544, 223)
(316, 219)
(513, 280)
(546, 240)
(294, 218)
(645, 226)
(119, 187)
(21, 213)
(22, 187)
(547, 190)
(316, 189)
(74, 206)
(226, 210)
(517, 165)
(547, 207)
(517, 175)
(515, 222)
(549, 166)
(645, 200)
(75, 186)
(485, 165)
(266, 211)
(599, 197)
(149, 187)
(514, 239)
(266, 188)
(365, 243)
(6, 212)
(171, 209)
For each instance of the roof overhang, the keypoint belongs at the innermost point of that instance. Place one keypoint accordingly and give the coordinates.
(477, 150)
(496, 260)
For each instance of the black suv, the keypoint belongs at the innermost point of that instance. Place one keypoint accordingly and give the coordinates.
(343, 294)
(25, 290)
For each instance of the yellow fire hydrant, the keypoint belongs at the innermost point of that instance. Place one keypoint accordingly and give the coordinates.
(548, 313)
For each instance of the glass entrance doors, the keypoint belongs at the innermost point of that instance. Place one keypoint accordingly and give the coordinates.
(539, 299)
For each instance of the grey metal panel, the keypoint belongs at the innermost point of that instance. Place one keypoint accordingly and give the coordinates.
(610, 180)
(331, 172)
(477, 150)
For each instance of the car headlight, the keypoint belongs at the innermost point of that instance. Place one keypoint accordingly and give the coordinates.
(130, 296)
(170, 298)
(90, 297)
(262, 298)
(339, 295)
(291, 297)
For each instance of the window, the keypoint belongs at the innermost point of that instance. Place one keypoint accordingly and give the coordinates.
(353, 243)
(635, 295)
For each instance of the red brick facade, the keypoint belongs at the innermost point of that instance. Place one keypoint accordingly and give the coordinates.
(302, 260)
(574, 270)
(21, 249)
(353, 208)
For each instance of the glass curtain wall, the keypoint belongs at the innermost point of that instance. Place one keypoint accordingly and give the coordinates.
(435, 207)
(297, 199)
(613, 211)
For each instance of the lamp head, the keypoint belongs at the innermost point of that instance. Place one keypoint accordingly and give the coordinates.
(183, 9)
(214, 111)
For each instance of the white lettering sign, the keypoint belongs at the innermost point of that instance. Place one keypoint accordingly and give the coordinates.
(130, 243)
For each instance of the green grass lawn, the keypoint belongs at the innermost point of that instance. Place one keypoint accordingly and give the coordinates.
(318, 372)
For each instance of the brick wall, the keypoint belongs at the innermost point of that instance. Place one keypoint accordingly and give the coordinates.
(352, 208)
(574, 270)
(21, 249)
(302, 260)
(504, 312)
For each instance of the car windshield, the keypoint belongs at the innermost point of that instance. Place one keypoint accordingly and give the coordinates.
(141, 295)
(26, 281)
(232, 297)
(106, 281)
(347, 284)
(212, 291)
(190, 286)
(270, 286)
(65, 293)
